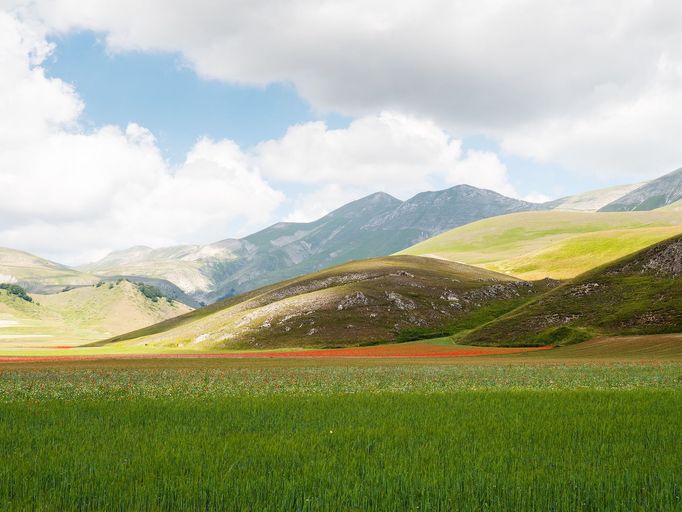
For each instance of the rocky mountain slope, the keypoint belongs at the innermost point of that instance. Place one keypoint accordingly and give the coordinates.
(638, 294)
(376, 225)
(654, 194)
(375, 300)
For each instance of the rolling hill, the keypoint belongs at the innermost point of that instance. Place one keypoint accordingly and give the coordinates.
(592, 200)
(638, 294)
(654, 194)
(375, 300)
(36, 273)
(79, 315)
(556, 244)
(376, 225)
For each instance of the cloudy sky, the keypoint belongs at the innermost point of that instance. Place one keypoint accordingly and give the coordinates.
(190, 121)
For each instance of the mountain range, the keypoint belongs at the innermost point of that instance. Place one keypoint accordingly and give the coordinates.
(374, 226)
(401, 298)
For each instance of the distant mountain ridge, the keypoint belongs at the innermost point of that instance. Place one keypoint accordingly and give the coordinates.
(39, 275)
(591, 200)
(376, 225)
(373, 226)
(655, 194)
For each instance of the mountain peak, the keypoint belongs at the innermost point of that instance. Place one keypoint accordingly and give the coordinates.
(367, 206)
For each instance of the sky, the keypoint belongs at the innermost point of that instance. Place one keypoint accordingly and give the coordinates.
(180, 121)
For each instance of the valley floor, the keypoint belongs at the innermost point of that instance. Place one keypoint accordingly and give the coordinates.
(593, 426)
(658, 347)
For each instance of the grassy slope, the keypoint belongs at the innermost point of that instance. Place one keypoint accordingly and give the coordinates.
(79, 315)
(553, 244)
(24, 267)
(359, 302)
(638, 294)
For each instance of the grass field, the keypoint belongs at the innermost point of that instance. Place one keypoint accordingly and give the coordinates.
(556, 244)
(463, 450)
(593, 426)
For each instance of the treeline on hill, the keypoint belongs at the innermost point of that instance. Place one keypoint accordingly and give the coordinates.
(16, 290)
(151, 292)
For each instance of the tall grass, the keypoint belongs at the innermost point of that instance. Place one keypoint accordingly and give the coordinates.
(467, 450)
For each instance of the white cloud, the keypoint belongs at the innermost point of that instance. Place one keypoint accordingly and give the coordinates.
(482, 169)
(66, 192)
(630, 140)
(389, 152)
(71, 193)
(561, 74)
(312, 205)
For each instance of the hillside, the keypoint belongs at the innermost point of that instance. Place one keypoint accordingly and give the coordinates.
(676, 206)
(592, 200)
(376, 225)
(654, 194)
(555, 244)
(187, 266)
(79, 315)
(35, 272)
(638, 294)
(383, 299)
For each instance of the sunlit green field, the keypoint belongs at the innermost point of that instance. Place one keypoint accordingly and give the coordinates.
(557, 244)
(274, 435)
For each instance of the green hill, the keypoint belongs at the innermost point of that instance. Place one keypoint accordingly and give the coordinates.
(638, 294)
(376, 300)
(556, 244)
(79, 315)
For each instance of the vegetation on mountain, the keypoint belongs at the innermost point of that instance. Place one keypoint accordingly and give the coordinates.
(638, 294)
(152, 292)
(16, 290)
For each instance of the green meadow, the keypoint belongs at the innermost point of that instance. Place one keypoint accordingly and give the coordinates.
(556, 244)
(203, 436)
